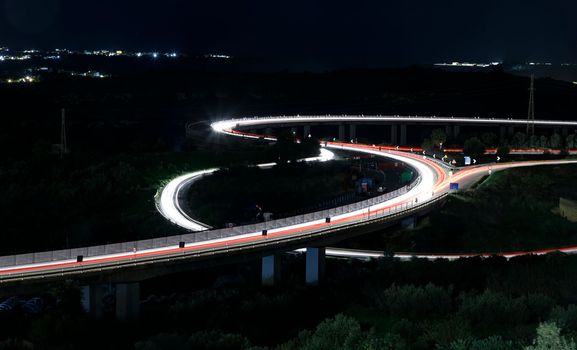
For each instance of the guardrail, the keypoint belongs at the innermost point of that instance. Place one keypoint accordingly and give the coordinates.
(397, 117)
(387, 215)
(175, 240)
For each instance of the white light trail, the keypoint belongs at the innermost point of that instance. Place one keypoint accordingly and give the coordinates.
(169, 207)
(169, 204)
(430, 173)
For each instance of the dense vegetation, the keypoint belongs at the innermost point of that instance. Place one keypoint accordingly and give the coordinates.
(384, 304)
(514, 210)
(48, 203)
(232, 195)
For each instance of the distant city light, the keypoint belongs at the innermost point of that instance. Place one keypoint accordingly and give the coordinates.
(88, 74)
(467, 64)
(217, 56)
(28, 79)
(56, 54)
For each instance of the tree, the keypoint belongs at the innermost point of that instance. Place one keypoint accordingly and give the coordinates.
(555, 141)
(414, 301)
(199, 340)
(549, 337)
(490, 139)
(503, 151)
(543, 141)
(474, 147)
(519, 139)
(340, 332)
(491, 343)
(570, 141)
(438, 136)
(427, 144)
(565, 317)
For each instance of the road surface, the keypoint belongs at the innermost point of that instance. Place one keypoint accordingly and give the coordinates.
(431, 185)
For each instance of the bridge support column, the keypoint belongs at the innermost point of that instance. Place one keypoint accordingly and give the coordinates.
(403, 134)
(502, 133)
(342, 132)
(93, 299)
(393, 134)
(409, 223)
(510, 130)
(127, 301)
(306, 131)
(315, 266)
(270, 270)
(353, 132)
(456, 131)
(449, 131)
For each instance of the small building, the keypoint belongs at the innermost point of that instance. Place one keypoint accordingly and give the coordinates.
(568, 209)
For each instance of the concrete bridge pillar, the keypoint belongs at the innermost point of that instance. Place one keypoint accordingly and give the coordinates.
(502, 133)
(403, 134)
(306, 131)
(510, 130)
(315, 266)
(449, 131)
(270, 269)
(127, 301)
(353, 131)
(393, 134)
(342, 132)
(456, 131)
(93, 299)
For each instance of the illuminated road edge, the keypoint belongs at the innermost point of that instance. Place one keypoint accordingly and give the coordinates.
(168, 203)
(430, 186)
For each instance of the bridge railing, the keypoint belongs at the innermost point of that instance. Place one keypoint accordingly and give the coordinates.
(201, 236)
(397, 117)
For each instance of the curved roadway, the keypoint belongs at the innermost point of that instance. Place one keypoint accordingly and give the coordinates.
(431, 186)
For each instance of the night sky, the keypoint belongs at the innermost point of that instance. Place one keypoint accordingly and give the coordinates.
(312, 32)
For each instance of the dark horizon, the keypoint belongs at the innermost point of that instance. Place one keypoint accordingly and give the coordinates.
(319, 34)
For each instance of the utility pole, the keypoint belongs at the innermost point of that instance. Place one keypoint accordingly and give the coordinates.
(531, 112)
(63, 149)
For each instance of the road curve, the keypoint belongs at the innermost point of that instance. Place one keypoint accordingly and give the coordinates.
(431, 186)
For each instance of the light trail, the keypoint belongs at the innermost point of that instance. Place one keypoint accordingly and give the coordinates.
(231, 124)
(169, 205)
(373, 254)
(434, 178)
